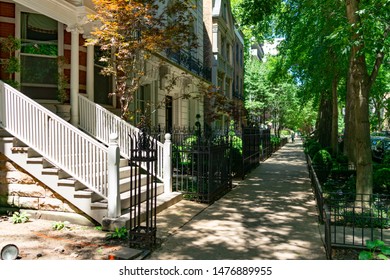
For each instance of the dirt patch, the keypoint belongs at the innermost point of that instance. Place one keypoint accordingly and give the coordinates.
(36, 239)
(345, 254)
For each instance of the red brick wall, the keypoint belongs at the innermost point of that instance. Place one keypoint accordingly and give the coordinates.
(6, 29)
(7, 9)
(82, 58)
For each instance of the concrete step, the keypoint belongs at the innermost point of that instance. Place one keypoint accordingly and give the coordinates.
(125, 197)
(72, 183)
(99, 205)
(124, 184)
(164, 201)
(125, 171)
(123, 162)
(35, 160)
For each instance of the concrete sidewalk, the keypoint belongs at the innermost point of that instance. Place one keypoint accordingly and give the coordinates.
(270, 215)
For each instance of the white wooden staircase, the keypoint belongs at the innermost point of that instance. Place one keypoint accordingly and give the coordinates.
(67, 160)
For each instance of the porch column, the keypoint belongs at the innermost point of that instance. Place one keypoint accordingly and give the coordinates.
(75, 30)
(90, 72)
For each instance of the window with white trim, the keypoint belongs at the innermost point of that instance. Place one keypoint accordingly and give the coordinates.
(38, 56)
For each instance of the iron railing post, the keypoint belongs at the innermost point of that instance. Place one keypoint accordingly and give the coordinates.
(114, 203)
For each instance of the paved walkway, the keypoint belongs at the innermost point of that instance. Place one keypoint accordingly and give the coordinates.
(270, 215)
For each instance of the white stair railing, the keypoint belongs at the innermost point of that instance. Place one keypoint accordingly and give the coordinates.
(100, 123)
(78, 154)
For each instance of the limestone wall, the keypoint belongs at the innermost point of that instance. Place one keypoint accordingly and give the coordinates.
(19, 189)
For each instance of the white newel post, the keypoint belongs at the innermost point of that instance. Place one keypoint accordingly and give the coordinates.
(114, 203)
(167, 161)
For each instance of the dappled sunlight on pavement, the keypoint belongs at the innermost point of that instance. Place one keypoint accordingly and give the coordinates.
(269, 215)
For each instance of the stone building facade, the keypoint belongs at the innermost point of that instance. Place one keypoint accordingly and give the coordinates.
(19, 190)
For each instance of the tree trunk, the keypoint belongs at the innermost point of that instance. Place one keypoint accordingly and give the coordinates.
(358, 93)
(335, 118)
(324, 123)
(349, 131)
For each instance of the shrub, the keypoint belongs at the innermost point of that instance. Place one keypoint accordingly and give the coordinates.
(236, 155)
(342, 159)
(312, 148)
(323, 158)
(382, 180)
(386, 158)
(275, 140)
(322, 163)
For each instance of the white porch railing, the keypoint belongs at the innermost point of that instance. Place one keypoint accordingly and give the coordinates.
(100, 123)
(78, 154)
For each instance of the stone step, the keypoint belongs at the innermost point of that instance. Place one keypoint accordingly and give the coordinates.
(99, 205)
(125, 197)
(123, 162)
(71, 182)
(125, 171)
(35, 160)
(124, 184)
(164, 201)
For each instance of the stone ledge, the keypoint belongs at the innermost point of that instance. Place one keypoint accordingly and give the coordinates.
(72, 218)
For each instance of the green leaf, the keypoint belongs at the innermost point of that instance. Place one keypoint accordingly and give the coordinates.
(364, 255)
(373, 244)
(385, 250)
(382, 257)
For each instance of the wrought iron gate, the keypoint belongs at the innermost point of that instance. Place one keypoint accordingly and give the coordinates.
(143, 198)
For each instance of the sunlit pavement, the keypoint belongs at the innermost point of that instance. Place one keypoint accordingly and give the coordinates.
(270, 215)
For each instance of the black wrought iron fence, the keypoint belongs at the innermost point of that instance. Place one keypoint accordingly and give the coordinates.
(256, 147)
(356, 218)
(201, 165)
(349, 219)
(317, 189)
(327, 231)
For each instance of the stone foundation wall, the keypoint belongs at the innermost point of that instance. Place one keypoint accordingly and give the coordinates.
(20, 190)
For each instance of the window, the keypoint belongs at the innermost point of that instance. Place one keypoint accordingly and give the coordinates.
(103, 83)
(228, 53)
(143, 103)
(237, 53)
(39, 52)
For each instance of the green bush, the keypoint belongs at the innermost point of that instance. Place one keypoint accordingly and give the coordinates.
(382, 180)
(312, 148)
(341, 158)
(322, 163)
(275, 140)
(323, 158)
(386, 158)
(236, 155)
